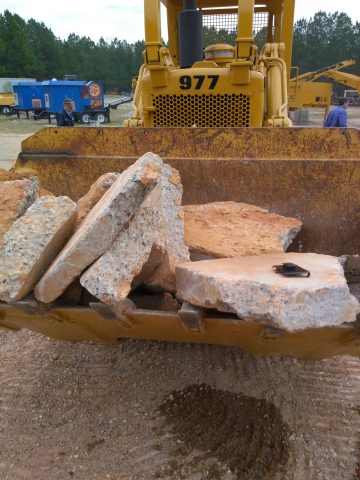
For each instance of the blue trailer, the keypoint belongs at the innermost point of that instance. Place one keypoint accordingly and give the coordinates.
(88, 99)
(46, 99)
(29, 97)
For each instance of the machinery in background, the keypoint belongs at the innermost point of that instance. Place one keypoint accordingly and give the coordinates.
(45, 99)
(306, 92)
(7, 98)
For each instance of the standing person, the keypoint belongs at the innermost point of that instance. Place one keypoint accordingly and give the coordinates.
(338, 116)
(65, 118)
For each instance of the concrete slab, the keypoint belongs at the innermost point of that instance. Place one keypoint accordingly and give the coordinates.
(249, 287)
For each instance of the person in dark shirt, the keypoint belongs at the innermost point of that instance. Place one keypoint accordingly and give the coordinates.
(338, 116)
(65, 117)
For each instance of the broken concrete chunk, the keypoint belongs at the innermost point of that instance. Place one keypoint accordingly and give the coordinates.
(7, 176)
(16, 197)
(171, 238)
(249, 287)
(97, 190)
(32, 243)
(229, 229)
(101, 226)
(156, 256)
(110, 278)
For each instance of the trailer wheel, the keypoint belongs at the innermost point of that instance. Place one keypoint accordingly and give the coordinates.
(5, 110)
(85, 118)
(101, 118)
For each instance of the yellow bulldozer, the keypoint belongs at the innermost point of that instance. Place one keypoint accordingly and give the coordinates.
(218, 115)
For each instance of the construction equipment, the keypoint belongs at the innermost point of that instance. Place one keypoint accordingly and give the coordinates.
(304, 92)
(7, 98)
(7, 101)
(196, 113)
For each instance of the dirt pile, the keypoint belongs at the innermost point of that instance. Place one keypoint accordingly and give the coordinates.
(234, 435)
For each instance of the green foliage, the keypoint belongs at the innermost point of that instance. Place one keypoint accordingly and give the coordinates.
(30, 49)
(17, 58)
(325, 39)
(211, 36)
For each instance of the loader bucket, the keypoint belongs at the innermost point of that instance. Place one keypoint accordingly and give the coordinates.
(309, 173)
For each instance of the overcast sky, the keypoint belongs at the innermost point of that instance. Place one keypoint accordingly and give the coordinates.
(124, 18)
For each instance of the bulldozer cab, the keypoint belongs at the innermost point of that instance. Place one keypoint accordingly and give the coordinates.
(215, 85)
(269, 21)
(212, 118)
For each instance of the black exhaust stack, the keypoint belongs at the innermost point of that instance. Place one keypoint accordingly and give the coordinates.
(190, 34)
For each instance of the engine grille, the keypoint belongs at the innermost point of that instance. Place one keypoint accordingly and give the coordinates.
(214, 110)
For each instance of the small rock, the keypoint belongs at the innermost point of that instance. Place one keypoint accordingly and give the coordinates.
(229, 229)
(31, 244)
(16, 197)
(249, 287)
(101, 226)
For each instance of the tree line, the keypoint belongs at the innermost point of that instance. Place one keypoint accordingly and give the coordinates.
(30, 49)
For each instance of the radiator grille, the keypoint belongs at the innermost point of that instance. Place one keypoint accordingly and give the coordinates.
(217, 110)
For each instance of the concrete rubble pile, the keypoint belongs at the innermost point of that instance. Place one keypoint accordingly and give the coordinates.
(129, 243)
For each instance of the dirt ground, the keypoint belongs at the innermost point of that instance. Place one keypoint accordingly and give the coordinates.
(152, 410)
(13, 130)
(148, 410)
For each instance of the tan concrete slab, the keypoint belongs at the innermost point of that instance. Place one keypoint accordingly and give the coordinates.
(230, 229)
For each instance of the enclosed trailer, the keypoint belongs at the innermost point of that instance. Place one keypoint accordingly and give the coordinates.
(88, 98)
(29, 96)
(46, 98)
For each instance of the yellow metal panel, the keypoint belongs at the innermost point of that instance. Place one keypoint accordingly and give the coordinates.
(312, 174)
(7, 99)
(173, 31)
(310, 95)
(224, 105)
(245, 28)
(152, 30)
(84, 324)
(287, 30)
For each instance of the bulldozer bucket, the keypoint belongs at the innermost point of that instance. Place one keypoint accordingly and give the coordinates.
(309, 173)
